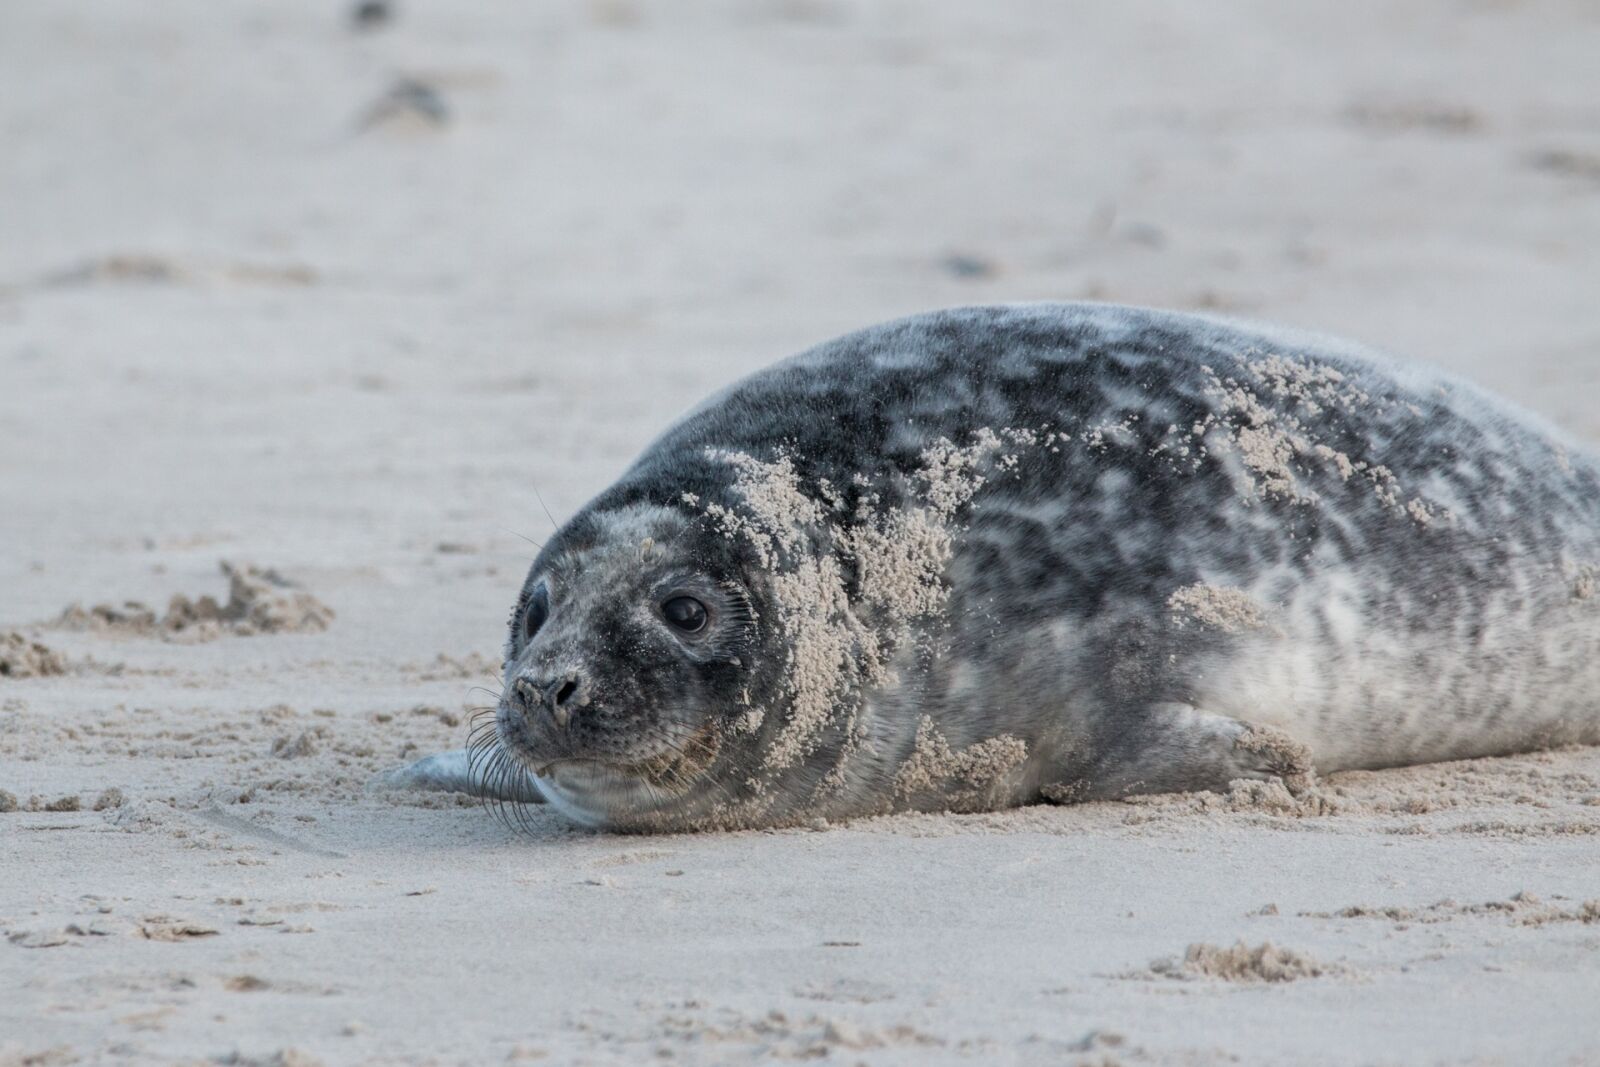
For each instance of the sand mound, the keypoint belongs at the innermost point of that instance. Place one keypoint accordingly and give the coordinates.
(260, 601)
(1523, 909)
(1265, 962)
(21, 657)
(719, 1035)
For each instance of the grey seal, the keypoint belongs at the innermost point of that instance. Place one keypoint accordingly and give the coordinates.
(991, 556)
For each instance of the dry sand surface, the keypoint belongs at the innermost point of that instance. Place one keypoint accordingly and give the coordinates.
(332, 304)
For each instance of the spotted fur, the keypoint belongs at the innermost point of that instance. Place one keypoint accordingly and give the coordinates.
(1073, 551)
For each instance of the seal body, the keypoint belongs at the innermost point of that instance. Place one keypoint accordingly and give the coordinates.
(985, 557)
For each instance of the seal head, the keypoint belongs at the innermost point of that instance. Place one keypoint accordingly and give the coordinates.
(630, 650)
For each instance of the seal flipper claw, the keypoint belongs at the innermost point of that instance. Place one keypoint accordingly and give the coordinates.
(1176, 748)
(454, 772)
(1277, 755)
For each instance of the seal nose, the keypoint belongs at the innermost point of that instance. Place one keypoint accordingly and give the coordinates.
(556, 694)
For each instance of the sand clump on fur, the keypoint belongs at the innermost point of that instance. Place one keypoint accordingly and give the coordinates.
(1218, 607)
(1268, 444)
(1289, 759)
(1587, 582)
(260, 601)
(1265, 962)
(829, 650)
(839, 649)
(22, 657)
(933, 763)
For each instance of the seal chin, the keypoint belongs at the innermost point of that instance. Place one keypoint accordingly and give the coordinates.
(595, 793)
(656, 788)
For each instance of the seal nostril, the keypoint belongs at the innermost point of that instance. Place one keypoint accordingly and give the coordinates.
(565, 692)
(523, 695)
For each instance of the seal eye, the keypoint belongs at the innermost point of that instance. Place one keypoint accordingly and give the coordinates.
(685, 613)
(538, 610)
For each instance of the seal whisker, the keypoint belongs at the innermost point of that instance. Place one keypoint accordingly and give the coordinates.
(502, 777)
(553, 524)
(673, 773)
(503, 774)
(532, 541)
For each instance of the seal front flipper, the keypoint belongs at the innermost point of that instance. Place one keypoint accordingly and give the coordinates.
(456, 772)
(1177, 748)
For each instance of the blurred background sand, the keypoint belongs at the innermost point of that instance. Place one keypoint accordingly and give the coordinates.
(346, 297)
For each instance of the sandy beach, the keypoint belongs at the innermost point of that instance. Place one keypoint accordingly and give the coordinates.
(329, 322)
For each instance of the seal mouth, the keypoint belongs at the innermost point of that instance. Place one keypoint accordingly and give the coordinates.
(672, 770)
(599, 789)
(617, 793)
